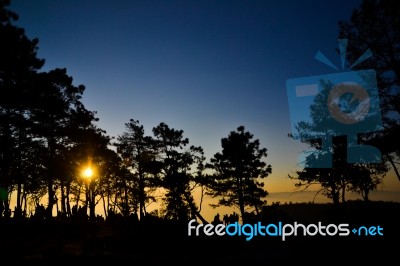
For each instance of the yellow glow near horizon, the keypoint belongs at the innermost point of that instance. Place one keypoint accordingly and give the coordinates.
(87, 173)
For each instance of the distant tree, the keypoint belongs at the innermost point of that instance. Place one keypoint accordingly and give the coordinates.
(176, 174)
(199, 181)
(238, 170)
(125, 192)
(332, 181)
(367, 177)
(330, 143)
(375, 25)
(318, 133)
(139, 154)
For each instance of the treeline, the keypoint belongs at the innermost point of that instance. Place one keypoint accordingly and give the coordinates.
(48, 137)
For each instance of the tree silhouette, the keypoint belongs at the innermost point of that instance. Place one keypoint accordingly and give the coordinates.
(116, 186)
(176, 175)
(58, 108)
(139, 154)
(74, 151)
(18, 66)
(41, 122)
(95, 152)
(333, 180)
(375, 25)
(328, 138)
(366, 178)
(237, 172)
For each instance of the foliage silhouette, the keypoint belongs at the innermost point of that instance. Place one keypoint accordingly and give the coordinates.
(139, 154)
(18, 65)
(47, 136)
(238, 169)
(374, 25)
(343, 175)
(176, 173)
(43, 122)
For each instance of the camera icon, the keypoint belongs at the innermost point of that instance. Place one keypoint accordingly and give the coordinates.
(338, 104)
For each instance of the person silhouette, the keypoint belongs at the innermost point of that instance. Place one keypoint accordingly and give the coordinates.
(226, 219)
(217, 219)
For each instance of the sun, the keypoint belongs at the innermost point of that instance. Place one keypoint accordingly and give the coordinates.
(87, 173)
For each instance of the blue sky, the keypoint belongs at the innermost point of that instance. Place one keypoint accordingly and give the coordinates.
(205, 67)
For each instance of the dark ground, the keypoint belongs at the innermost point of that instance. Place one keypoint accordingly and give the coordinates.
(157, 242)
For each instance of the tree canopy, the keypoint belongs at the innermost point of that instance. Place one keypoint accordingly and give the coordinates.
(238, 171)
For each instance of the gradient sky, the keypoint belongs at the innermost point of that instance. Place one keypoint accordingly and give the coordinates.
(205, 67)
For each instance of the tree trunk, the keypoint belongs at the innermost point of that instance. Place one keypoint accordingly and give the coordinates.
(50, 192)
(193, 208)
(126, 201)
(18, 208)
(257, 211)
(63, 200)
(343, 193)
(6, 167)
(78, 198)
(241, 201)
(335, 196)
(7, 210)
(92, 205)
(366, 195)
(25, 211)
(141, 194)
(104, 207)
(50, 176)
(68, 188)
(394, 166)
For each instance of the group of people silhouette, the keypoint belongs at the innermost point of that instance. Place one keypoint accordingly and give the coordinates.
(226, 219)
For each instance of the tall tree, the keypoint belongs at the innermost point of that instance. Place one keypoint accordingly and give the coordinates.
(139, 154)
(52, 115)
(176, 174)
(94, 152)
(238, 170)
(18, 66)
(375, 25)
(331, 144)
(81, 138)
(41, 120)
(331, 180)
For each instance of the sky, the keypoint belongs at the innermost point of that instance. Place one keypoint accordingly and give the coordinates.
(205, 67)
